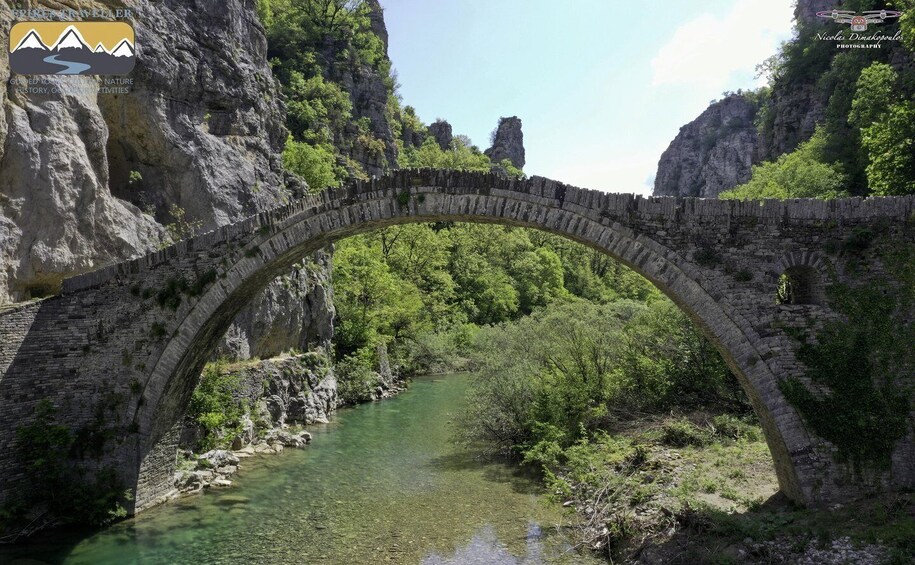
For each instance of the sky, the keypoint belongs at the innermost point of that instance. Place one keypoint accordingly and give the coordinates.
(601, 86)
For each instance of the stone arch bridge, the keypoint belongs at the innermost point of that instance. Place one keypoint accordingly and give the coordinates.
(120, 350)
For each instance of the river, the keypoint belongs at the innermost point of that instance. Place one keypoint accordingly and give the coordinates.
(381, 483)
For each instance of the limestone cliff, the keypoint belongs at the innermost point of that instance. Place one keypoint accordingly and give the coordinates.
(89, 179)
(507, 142)
(441, 131)
(812, 83)
(712, 153)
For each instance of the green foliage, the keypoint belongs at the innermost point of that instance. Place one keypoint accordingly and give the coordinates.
(58, 483)
(311, 45)
(356, 379)
(417, 287)
(170, 295)
(460, 157)
(538, 278)
(511, 170)
(215, 407)
(875, 92)
(855, 362)
(855, 84)
(371, 301)
(890, 145)
(800, 174)
(572, 367)
(314, 163)
(682, 433)
(180, 228)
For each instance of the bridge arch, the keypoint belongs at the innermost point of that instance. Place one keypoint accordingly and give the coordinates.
(618, 225)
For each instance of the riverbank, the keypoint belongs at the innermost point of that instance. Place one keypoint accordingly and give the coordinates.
(380, 482)
(261, 407)
(695, 489)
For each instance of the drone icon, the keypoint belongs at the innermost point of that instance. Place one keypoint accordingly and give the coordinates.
(859, 22)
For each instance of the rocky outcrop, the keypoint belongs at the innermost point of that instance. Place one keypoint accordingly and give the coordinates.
(376, 17)
(796, 111)
(368, 89)
(441, 131)
(295, 312)
(89, 179)
(57, 214)
(298, 389)
(508, 142)
(712, 153)
(203, 125)
(805, 11)
(707, 157)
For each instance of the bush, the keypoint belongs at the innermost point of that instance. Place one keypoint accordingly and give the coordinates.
(800, 174)
(314, 163)
(440, 352)
(58, 482)
(356, 378)
(683, 433)
(730, 426)
(575, 366)
(215, 406)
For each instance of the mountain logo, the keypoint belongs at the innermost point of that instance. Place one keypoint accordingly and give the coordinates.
(859, 22)
(65, 48)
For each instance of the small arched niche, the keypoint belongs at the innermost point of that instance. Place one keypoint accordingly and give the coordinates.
(799, 284)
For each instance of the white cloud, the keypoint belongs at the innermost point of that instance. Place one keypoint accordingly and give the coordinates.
(709, 50)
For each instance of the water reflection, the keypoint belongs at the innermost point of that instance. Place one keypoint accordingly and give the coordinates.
(485, 549)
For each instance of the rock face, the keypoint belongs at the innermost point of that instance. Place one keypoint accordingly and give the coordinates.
(508, 142)
(441, 131)
(57, 214)
(712, 153)
(203, 125)
(704, 161)
(805, 11)
(89, 179)
(376, 17)
(368, 92)
(298, 389)
(295, 312)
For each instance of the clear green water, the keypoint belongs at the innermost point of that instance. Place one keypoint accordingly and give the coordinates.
(382, 483)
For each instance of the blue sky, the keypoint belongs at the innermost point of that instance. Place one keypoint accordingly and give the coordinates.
(601, 86)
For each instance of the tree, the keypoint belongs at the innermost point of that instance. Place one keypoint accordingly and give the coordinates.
(314, 163)
(373, 304)
(538, 278)
(875, 92)
(890, 145)
(799, 174)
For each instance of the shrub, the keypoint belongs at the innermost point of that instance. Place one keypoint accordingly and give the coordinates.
(356, 378)
(69, 491)
(800, 174)
(215, 405)
(314, 163)
(683, 433)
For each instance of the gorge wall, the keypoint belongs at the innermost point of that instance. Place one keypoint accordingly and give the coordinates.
(90, 179)
(811, 84)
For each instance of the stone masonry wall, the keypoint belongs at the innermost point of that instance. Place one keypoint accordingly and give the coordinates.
(135, 336)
